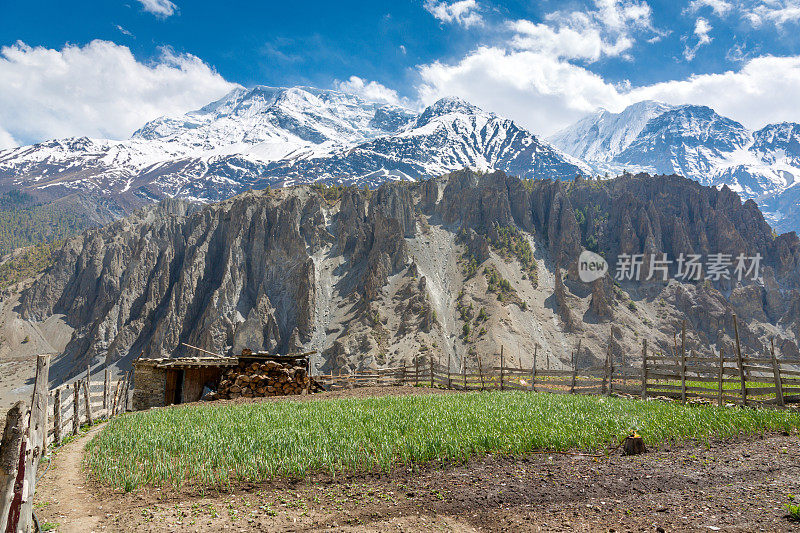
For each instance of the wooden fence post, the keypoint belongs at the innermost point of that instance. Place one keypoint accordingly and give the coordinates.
(480, 372)
(449, 383)
(502, 362)
(644, 369)
(683, 362)
(116, 391)
(87, 398)
(118, 394)
(47, 421)
(89, 389)
(117, 397)
(610, 372)
(57, 418)
(611, 361)
(464, 371)
(416, 369)
(740, 361)
(127, 390)
(430, 360)
(776, 371)
(37, 437)
(124, 390)
(106, 391)
(76, 422)
(574, 374)
(575, 363)
(624, 361)
(10, 451)
(533, 368)
(720, 377)
(606, 370)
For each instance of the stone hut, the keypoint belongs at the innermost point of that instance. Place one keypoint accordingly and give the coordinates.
(168, 381)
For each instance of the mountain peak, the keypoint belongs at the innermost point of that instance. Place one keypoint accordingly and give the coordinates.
(700, 121)
(603, 134)
(636, 108)
(451, 104)
(277, 121)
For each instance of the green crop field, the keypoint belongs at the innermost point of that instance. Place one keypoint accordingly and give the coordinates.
(217, 445)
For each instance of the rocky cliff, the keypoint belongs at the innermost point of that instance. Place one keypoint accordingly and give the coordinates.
(449, 268)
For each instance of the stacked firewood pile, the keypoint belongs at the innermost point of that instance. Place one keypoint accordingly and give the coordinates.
(270, 378)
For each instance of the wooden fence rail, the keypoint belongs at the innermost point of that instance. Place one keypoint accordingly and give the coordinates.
(77, 404)
(716, 378)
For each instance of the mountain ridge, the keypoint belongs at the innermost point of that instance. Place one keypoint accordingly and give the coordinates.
(697, 142)
(272, 136)
(368, 278)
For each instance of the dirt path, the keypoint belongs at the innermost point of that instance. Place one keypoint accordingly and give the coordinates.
(64, 496)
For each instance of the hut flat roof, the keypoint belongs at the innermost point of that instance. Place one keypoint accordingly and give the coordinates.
(185, 362)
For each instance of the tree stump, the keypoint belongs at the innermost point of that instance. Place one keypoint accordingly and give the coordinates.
(633, 445)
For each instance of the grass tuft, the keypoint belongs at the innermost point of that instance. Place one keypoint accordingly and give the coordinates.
(794, 511)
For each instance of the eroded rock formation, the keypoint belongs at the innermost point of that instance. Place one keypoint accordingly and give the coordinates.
(369, 278)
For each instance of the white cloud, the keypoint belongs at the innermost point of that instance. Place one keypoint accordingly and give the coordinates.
(546, 94)
(123, 31)
(371, 91)
(778, 12)
(591, 34)
(539, 91)
(97, 90)
(159, 8)
(531, 78)
(6, 140)
(764, 90)
(621, 15)
(756, 12)
(701, 30)
(463, 12)
(566, 42)
(718, 7)
(737, 53)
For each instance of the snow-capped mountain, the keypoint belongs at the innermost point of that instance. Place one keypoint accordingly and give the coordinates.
(450, 134)
(275, 123)
(601, 136)
(264, 136)
(696, 142)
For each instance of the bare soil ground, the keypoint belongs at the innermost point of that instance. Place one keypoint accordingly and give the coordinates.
(20, 342)
(739, 485)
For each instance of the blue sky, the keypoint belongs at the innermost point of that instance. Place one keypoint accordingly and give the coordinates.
(101, 68)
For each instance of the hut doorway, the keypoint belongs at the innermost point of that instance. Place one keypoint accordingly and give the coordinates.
(174, 392)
